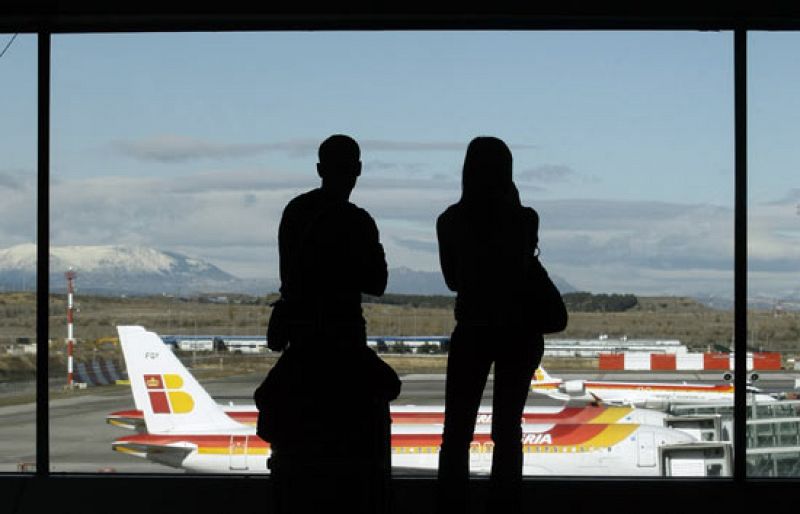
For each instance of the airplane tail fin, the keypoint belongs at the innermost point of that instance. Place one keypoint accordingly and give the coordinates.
(169, 396)
(540, 375)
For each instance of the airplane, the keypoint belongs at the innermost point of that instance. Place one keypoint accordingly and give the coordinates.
(650, 395)
(578, 412)
(560, 449)
(187, 429)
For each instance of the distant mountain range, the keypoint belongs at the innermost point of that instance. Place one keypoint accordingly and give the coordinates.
(139, 270)
(759, 301)
(114, 270)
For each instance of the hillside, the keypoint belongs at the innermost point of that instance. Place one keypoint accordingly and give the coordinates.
(116, 269)
(653, 317)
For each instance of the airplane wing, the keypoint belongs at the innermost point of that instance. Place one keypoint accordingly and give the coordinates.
(128, 419)
(172, 454)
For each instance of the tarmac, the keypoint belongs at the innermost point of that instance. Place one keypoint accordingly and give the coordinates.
(80, 438)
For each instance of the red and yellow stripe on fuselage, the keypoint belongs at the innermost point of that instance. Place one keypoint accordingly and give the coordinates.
(134, 419)
(564, 438)
(590, 413)
(678, 388)
(598, 387)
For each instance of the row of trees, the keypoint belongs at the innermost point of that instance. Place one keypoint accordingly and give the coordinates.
(588, 302)
(576, 302)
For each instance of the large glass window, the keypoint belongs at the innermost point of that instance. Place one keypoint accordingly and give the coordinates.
(774, 253)
(174, 154)
(17, 252)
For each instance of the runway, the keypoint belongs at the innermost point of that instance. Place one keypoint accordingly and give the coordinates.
(80, 438)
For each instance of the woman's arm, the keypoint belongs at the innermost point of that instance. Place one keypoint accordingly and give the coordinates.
(532, 228)
(445, 233)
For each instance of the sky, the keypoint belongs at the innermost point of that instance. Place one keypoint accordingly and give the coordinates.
(622, 141)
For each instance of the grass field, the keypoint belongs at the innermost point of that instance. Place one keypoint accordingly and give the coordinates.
(697, 326)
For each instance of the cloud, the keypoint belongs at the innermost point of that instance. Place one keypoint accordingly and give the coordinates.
(148, 211)
(547, 173)
(231, 217)
(16, 180)
(653, 235)
(418, 245)
(18, 208)
(622, 278)
(378, 165)
(415, 201)
(773, 234)
(173, 148)
(249, 199)
(381, 145)
(791, 197)
(245, 181)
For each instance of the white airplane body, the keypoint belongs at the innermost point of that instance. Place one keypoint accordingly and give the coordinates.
(565, 449)
(650, 395)
(187, 429)
(574, 412)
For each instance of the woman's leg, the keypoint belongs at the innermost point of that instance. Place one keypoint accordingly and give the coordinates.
(515, 364)
(468, 364)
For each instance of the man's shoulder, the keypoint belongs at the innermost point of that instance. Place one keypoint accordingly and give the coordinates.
(302, 202)
(304, 198)
(359, 214)
(449, 215)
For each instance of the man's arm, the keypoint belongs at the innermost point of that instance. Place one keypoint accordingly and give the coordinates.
(532, 226)
(284, 230)
(374, 272)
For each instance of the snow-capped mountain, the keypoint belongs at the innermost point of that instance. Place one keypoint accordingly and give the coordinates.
(117, 269)
(120, 269)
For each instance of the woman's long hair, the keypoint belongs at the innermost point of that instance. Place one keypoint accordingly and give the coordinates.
(486, 177)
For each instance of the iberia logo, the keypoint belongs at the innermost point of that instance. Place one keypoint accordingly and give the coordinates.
(538, 376)
(165, 396)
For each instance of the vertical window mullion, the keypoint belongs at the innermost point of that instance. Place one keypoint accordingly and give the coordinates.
(740, 256)
(43, 256)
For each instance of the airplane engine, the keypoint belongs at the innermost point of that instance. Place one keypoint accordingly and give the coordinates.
(573, 387)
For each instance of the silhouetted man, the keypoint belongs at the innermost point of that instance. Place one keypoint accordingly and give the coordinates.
(326, 399)
(330, 250)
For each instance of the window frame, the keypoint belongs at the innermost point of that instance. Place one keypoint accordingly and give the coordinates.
(89, 16)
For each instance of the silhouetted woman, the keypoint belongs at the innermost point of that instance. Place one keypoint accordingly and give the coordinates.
(484, 242)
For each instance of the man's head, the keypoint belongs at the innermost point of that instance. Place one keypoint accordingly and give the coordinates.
(339, 163)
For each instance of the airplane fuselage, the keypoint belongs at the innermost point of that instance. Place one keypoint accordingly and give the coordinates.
(580, 412)
(648, 395)
(574, 449)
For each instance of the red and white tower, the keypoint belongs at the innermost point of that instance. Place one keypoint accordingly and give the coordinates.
(70, 275)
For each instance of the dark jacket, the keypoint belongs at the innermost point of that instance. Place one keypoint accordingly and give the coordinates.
(330, 253)
(485, 253)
